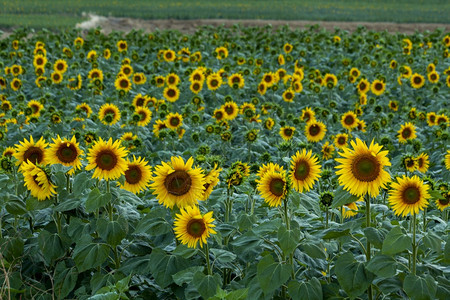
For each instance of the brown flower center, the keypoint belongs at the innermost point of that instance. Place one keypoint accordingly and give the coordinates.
(302, 169)
(406, 133)
(133, 175)
(67, 153)
(124, 83)
(314, 130)
(276, 186)
(411, 195)
(349, 120)
(106, 160)
(174, 121)
(178, 183)
(33, 154)
(366, 167)
(171, 93)
(196, 227)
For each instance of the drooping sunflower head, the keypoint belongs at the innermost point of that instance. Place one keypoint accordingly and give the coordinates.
(37, 181)
(273, 187)
(305, 170)
(137, 175)
(351, 209)
(327, 151)
(443, 203)
(423, 162)
(362, 168)
(31, 151)
(65, 152)
(447, 160)
(408, 195)
(315, 131)
(191, 227)
(178, 183)
(108, 159)
(211, 180)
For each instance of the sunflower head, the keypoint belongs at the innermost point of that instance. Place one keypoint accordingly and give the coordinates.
(408, 195)
(65, 152)
(273, 187)
(191, 227)
(31, 151)
(305, 170)
(137, 175)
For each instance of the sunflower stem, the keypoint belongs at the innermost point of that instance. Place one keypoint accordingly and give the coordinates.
(368, 251)
(208, 264)
(110, 206)
(414, 245)
(424, 219)
(68, 183)
(326, 224)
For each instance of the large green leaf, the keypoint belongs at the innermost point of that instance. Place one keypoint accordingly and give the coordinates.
(374, 236)
(206, 285)
(136, 265)
(50, 245)
(288, 239)
(223, 256)
(271, 275)
(65, 280)
(352, 275)
(113, 232)
(186, 275)
(396, 241)
(90, 256)
(153, 226)
(420, 288)
(305, 290)
(97, 199)
(342, 197)
(382, 265)
(163, 266)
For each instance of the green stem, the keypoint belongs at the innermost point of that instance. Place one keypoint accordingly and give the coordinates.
(368, 251)
(424, 219)
(288, 227)
(68, 183)
(414, 245)
(116, 257)
(326, 224)
(110, 206)
(208, 265)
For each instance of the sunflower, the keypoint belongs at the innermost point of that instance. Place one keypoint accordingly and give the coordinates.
(447, 160)
(349, 120)
(192, 228)
(417, 81)
(287, 132)
(408, 195)
(169, 55)
(126, 70)
(423, 162)
(172, 79)
(31, 151)
(95, 74)
(39, 61)
(197, 75)
(406, 132)
(441, 119)
(340, 140)
(268, 167)
(305, 170)
(273, 187)
(362, 168)
(171, 93)
(431, 119)
(269, 123)
(262, 88)
(219, 114)
(214, 81)
(158, 126)
(315, 131)
(410, 163)
(378, 87)
(196, 87)
(330, 80)
(37, 181)
(122, 46)
(145, 115)
(269, 79)
(361, 126)
(2, 83)
(231, 110)
(122, 83)
(354, 72)
(433, 77)
(442, 204)
(108, 159)
(363, 86)
(222, 52)
(107, 54)
(8, 152)
(16, 70)
(351, 209)
(308, 115)
(288, 95)
(174, 120)
(109, 114)
(327, 151)
(211, 180)
(177, 183)
(393, 105)
(56, 77)
(287, 48)
(60, 66)
(236, 80)
(85, 108)
(137, 175)
(65, 152)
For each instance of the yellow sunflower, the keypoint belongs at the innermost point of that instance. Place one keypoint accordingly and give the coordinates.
(172, 79)
(196, 87)
(351, 209)
(192, 228)
(340, 140)
(308, 115)
(39, 61)
(108, 159)
(327, 151)
(109, 114)
(137, 175)
(305, 170)
(349, 120)
(197, 75)
(378, 87)
(85, 108)
(363, 86)
(60, 66)
(236, 80)
(406, 132)
(231, 110)
(431, 119)
(410, 163)
(442, 204)
(8, 152)
(65, 152)
(273, 187)
(37, 181)
(268, 167)
(288, 95)
(174, 120)
(219, 114)
(315, 131)
(362, 168)
(408, 195)
(122, 83)
(447, 160)
(423, 162)
(177, 183)
(145, 115)
(287, 132)
(36, 107)
(433, 77)
(214, 81)
(158, 126)
(417, 81)
(31, 151)
(95, 74)
(211, 180)
(171, 93)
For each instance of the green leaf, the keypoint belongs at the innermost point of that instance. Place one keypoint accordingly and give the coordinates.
(184, 251)
(70, 202)
(15, 206)
(288, 239)
(333, 233)
(305, 290)
(447, 250)
(34, 204)
(432, 241)
(223, 256)
(11, 247)
(163, 266)
(313, 250)
(96, 200)
(90, 256)
(50, 245)
(443, 288)
(240, 294)
(396, 241)
(65, 280)
(271, 275)
(186, 275)
(374, 236)
(342, 197)
(420, 288)
(382, 265)
(136, 265)
(206, 285)
(435, 195)
(153, 226)
(81, 183)
(352, 275)
(113, 232)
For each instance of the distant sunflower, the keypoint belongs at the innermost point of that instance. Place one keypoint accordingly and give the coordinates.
(174, 120)
(145, 115)
(273, 187)
(84, 107)
(349, 120)
(423, 162)
(288, 95)
(305, 170)
(8, 152)
(65, 152)
(171, 93)
(408, 195)
(447, 160)
(431, 119)
(137, 175)
(214, 81)
(417, 81)
(236, 80)
(341, 140)
(37, 181)
(192, 228)
(60, 66)
(406, 132)
(122, 83)
(158, 126)
(122, 46)
(172, 79)
(196, 87)
(39, 61)
(410, 163)
(219, 114)
(362, 168)
(109, 114)
(363, 86)
(95, 74)
(327, 151)
(211, 180)
(31, 151)
(308, 115)
(108, 159)
(315, 131)
(378, 87)
(393, 105)
(178, 183)
(433, 77)
(56, 77)
(351, 209)
(287, 132)
(231, 110)
(442, 204)
(287, 48)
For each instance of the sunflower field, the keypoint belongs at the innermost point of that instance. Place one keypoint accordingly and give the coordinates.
(233, 163)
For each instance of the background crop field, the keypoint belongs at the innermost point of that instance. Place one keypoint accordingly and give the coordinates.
(60, 14)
